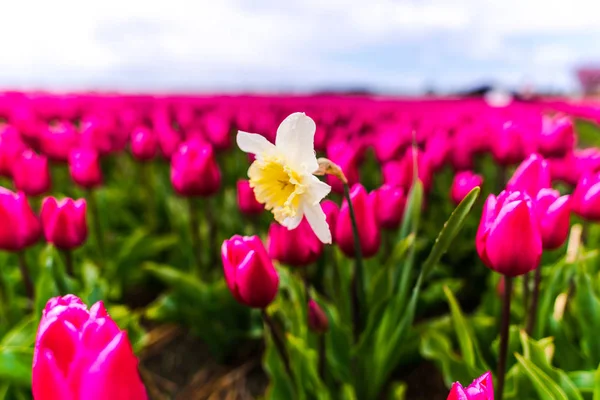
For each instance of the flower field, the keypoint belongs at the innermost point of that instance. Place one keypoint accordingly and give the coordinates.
(298, 247)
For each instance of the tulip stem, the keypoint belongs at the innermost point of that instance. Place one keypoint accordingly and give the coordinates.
(526, 291)
(29, 290)
(69, 263)
(322, 356)
(504, 336)
(279, 344)
(195, 233)
(148, 182)
(97, 225)
(358, 279)
(534, 301)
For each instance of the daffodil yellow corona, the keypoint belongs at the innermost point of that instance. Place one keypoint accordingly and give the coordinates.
(282, 176)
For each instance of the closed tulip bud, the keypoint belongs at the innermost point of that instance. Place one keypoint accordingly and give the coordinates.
(246, 200)
(331, 210)
(297, 247)
(509, 239)
(463, 183)
(368, 226)
(82, 354)
(401, 173)
(531, 176)
(557, 137)
(390, 206)
(194, 169)
(249, 272)
(84, 167)
(217, 130)
(64, 222)
(96, 133)
(437, 149)
(317, 319)
(585, 200)
(19, 226)
(144, 144)
(168, 141)
(564, 169)
(482, 388)
(509, 145)
(31, 174)
(553, 212)
(58, 140)
(11, 148)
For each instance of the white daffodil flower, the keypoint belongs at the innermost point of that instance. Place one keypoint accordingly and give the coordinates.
(282, 176)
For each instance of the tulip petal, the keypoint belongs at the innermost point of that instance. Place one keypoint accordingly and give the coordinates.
(48, 382)
(457, 392)
(257, 283)
(295, 139)
(254, 143)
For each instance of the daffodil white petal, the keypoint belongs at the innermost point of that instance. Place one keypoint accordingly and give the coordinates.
(254, 143)
(292, 222)
(296, 140)
(318, 189)
(318, 222)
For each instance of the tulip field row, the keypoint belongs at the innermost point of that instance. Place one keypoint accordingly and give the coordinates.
(298, 247)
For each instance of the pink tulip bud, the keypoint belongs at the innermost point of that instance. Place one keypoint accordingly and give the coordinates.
(553, 212)
(509, 239)
(585, 200)
(401, 173)
(437, 149)
(564, 169)
(249, 272)
(331, 210)
(19, 226)
(246, 200)
(463, 183)
(82, 354)
(194, 169)
(31, 173)
(64, 222)
(168, 141)
(11, 148)
(557, 137)
(531, 176)
(482, 388)
(368, 227)
(297, 247)
(390, 206)
(509, 145)
(217, 130)
(96, 133)
(58, 140)
(317, 319)
(84, 167)
(144, 144)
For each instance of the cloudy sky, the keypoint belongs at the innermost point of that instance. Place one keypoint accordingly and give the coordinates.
(209, 45)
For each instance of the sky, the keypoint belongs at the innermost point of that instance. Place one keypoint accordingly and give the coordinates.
(390, 46)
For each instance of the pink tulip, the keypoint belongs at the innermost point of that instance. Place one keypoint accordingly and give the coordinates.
(297, 247)
(31, 174)
(246, 200)
(168, 141)
(194, 169)
(144, 144)
(509, 239)
(585, 200)
(331, 210)
(557, 137)
(64, 222)
(553, 212)
(317, 319)
(401, 173)
(509, 145)
(368, 226)
(463, 183)
(249, 271)
(531, 176)
(58, 140)
(83, 355)
(11, 148)
(84, 166)
(217, 130)
(347, 159)
(482, 388)
(19, 226)
(390, 206)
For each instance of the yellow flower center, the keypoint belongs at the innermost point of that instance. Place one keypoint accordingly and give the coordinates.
(276, 186)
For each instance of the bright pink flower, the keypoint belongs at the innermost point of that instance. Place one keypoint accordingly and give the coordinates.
(553, 213)
(463, 183)
(297, 247)
(557, 137)
(58, 140)
(401, 173)
(510, 144)
(246, 200)
(144, 144)
(509, 239)
(194, 169)
(331, 210)
(482, 388)
(64, 222)
(585, 200)
(347, 159)
(84, 166)
(317, 319)
(390, 206)
(531, 176)
(83, 355)
(249, 272)
(11, 148)
(19, 226)
(217, 130)
(31, 173)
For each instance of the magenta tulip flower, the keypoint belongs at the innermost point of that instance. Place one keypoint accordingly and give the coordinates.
(390, 206)
(84, 166)
(194, 169)
(246, 199)
(482, 388)
(585, 200)
(144, 144)
(463, 183)
(531, 176)
(297, 247)
(19, 226)
(553, 213)
(317, 319)
(64, 222)
(31, 174)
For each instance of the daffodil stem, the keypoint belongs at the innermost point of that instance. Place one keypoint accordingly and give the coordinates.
(534, 300)
(504, 336)
(97, 225)
(279, 344)
(358, 279)
(195, 234)
(27, 282)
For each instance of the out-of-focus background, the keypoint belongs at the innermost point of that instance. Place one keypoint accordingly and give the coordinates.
(383, 46)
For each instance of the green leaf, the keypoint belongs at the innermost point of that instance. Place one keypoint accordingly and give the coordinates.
(22, 334)
(546, 388)
(588, 307)
(398, 391)
(597, 384)
(15, 365)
